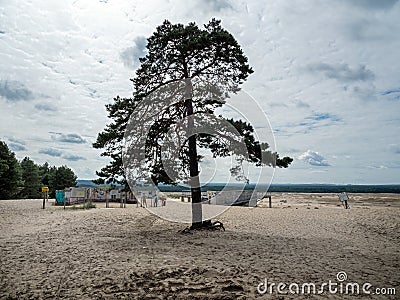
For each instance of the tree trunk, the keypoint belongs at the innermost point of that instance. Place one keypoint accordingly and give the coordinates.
(193, 163)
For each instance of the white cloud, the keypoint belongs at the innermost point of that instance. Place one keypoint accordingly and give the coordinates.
(62, 154)
(16, 147)
(214, 5)
(342, 72)
(314, 158)
(51, 152)
(373, 4)
(130, 56)
(14, 91)
(394, 148)
(73, 157)
(46, 107)
(16, 141)
(67, 138)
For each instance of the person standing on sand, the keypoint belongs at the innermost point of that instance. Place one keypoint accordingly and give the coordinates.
(155, 200)
(344, 198)
(163, 198)
(346, 205)
(143, 200)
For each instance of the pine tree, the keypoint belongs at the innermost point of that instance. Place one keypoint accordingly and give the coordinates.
(60, 178)
(9, 172)
(208, 61)
(31, 181)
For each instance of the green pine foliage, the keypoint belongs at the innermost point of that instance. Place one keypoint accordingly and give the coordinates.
(60, 178)
(24, 179)
(211, 61)
(176, 52)
(9, 172)
(31, 180)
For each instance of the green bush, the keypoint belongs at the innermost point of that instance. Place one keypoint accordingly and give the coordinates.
(87, 205)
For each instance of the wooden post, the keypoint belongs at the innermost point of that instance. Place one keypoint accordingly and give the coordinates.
(105, 193)
(45, 191)
(84, 200)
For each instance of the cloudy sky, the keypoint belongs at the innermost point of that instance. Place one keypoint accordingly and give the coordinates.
(327, 75)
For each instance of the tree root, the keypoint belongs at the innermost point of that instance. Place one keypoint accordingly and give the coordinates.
(205, 225)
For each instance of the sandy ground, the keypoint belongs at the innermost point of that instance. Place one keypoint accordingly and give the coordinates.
(129, 253)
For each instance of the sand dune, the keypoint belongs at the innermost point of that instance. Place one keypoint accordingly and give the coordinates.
(131, 254)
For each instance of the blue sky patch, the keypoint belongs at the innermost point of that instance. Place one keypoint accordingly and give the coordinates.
(323, 116)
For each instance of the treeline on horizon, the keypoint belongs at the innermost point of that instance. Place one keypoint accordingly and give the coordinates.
(275, 188)
(294, 188)
(319, 188)
(24, 179)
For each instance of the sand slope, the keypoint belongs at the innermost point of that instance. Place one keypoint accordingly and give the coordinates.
(130, 254)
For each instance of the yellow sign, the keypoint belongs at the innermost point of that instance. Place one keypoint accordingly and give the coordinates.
(45, 189)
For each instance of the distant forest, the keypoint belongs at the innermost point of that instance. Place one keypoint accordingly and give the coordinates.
(281, 188)
(310, 188)
(296, 188)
